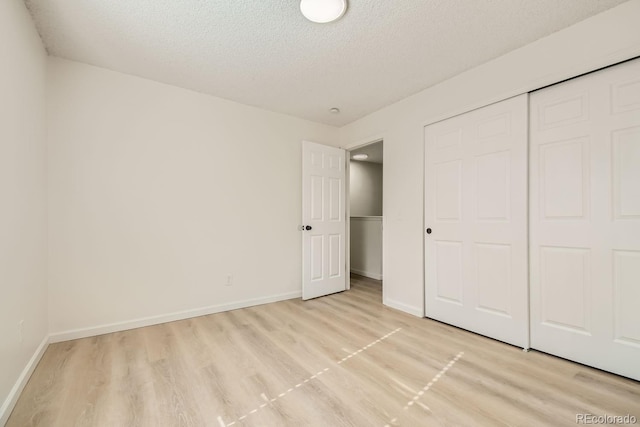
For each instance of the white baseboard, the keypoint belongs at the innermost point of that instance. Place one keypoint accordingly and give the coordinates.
(416, 311)
(164, 318)
(14, 394)
(375, 276)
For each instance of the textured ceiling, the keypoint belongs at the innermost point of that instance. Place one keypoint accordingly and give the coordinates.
(264, 53)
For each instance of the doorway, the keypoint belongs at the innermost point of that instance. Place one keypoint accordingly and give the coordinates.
(365, 197)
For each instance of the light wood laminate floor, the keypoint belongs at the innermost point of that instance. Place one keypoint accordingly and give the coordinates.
(341, 360)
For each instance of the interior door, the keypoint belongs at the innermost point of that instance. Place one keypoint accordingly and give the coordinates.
(476, 221)
(585, 219)
(323, 219)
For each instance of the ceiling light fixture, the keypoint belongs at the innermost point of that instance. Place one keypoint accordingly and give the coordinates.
(323, 11)
(334, 110)
(360, 156)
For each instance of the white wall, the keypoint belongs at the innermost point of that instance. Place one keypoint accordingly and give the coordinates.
(604, 39)
(157, 193)
(23, 294)
(365, 200)
(366, 246)
(365, 188)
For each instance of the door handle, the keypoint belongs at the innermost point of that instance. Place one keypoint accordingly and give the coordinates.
(428, 231)
(307, 227)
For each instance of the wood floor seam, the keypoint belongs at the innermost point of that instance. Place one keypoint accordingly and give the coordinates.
(342, 360)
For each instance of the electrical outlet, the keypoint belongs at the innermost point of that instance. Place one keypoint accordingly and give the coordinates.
(229, 280)
(20, 328)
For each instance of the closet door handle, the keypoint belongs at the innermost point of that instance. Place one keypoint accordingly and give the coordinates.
(428, 231)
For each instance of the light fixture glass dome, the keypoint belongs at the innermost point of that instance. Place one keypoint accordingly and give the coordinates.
(360, 156)
(323, 11)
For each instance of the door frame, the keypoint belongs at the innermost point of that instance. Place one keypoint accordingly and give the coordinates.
(349, 149)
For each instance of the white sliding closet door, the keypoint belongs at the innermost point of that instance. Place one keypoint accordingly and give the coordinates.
(476, 220)
(585, 219)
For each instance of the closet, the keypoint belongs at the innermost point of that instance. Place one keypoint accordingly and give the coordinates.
(532, 220)
(475, 221)
(585, 219)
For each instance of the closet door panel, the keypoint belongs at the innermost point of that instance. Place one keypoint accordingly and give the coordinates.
(476, 208)
(585, 219)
